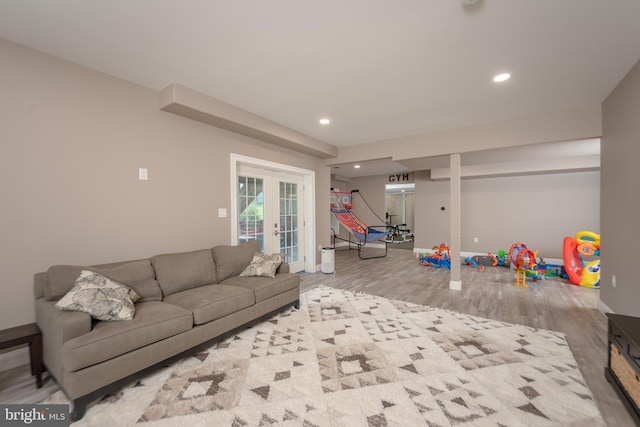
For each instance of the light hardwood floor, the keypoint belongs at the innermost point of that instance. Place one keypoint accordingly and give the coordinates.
(549, 304)
(552, 304)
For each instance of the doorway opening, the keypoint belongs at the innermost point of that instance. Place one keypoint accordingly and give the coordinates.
(399, 199)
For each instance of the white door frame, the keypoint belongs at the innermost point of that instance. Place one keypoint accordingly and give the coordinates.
(308, 203)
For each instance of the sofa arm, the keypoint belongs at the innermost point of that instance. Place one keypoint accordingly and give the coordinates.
(284, 268)
(57, 327)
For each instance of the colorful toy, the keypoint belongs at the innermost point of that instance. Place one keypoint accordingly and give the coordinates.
(524, 260)
(474, 261)
(518, 252)
(521, 278)
(585, 243)
(591, 275)
(499, 259)
(441, 258)
(534, 268)
(547, 270)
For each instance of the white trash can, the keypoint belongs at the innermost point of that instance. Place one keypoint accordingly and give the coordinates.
(328, 260)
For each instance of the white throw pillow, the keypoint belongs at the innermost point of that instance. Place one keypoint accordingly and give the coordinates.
(263, 265)
(102, 298)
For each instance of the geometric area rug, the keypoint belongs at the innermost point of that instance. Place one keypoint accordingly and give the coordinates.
(351, 359)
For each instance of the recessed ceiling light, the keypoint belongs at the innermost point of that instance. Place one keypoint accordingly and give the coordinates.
(324, 121)
(502, 77)
(356, 166)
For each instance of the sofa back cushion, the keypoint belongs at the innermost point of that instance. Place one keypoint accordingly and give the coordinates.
(138, 275)
(232, 260)
(186, 270)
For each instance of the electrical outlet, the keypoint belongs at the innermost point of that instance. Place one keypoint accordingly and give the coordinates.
(143, 174)
(475, 240)
(613, 280)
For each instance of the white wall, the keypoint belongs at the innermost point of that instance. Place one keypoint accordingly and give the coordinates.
(538, 210)
(620, 203)
(72, 142)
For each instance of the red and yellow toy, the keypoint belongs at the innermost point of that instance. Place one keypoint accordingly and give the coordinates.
(585, 243)
(517, 253)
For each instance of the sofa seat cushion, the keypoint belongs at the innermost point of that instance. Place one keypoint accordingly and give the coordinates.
(153, 321)
(266, 287)
(212, 302)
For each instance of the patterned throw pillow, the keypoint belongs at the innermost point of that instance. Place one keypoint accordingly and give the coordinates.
(263, 265)
(102, 298)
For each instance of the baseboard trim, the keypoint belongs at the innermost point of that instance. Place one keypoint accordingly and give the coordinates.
(13, 359)
(604, 308)
(419, 251)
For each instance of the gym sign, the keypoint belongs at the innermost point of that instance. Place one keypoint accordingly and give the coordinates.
(400, 177)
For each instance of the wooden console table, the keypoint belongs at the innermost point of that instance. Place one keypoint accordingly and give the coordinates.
(623, 367)
(26, 334)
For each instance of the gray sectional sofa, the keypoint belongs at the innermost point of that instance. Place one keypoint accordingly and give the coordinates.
(187, 301)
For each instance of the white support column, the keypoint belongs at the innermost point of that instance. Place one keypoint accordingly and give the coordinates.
(455, 282)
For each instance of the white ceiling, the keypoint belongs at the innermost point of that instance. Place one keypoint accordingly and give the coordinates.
(378, 68)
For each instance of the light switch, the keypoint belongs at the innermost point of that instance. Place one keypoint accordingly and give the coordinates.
(143, 174)
(222, 212)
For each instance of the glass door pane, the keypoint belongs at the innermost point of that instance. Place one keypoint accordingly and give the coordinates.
(289, 221)
(251, 209)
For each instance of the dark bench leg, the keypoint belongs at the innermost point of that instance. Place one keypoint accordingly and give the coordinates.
(35, 350)
(79, 408)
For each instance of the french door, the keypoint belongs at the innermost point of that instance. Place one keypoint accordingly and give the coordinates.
(270, 211)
